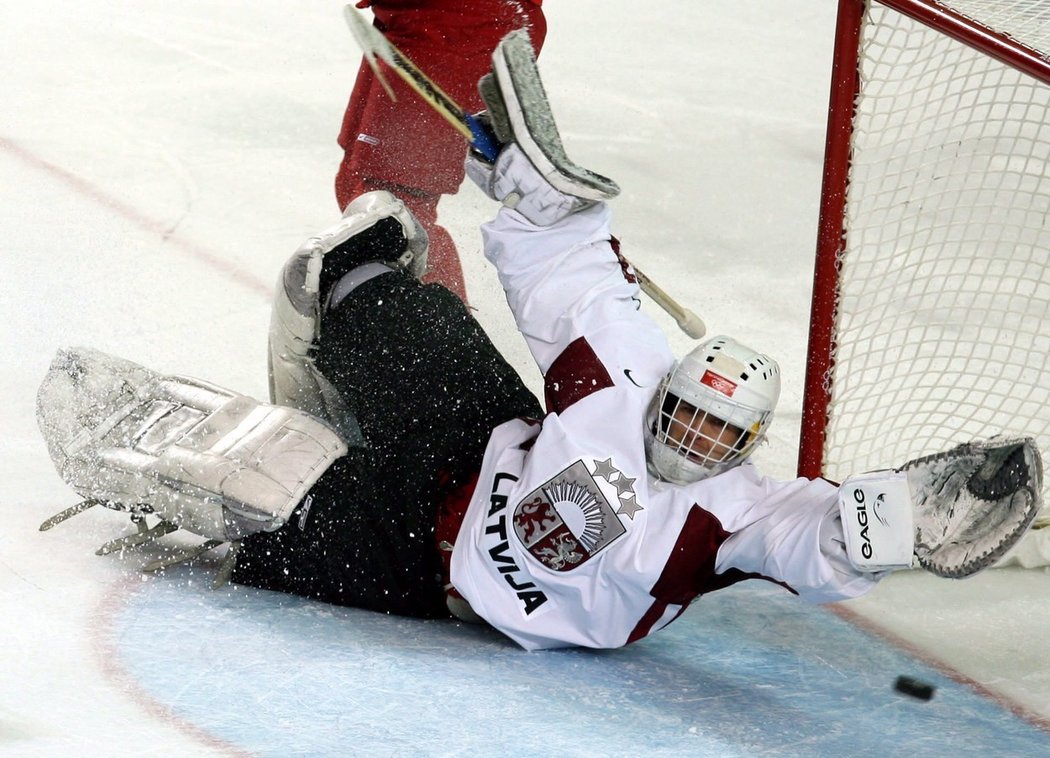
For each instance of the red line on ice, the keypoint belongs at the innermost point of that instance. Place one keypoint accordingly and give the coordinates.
(915, 651)
(102, 632)
(134, 216)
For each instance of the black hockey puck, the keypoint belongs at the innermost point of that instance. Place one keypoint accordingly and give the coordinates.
(916, 688)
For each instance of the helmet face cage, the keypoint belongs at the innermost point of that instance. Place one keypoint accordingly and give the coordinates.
(701, 436)
(712, 411)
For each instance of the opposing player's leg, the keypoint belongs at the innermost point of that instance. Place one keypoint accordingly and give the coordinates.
(373, 127)
(443, 264)
(400, 144)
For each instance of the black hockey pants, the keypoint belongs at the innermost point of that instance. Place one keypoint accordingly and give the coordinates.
(427, 387)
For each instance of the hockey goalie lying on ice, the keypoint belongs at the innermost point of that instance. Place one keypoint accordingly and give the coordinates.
(402, 465)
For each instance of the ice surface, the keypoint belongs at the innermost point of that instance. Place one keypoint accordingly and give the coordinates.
(749, 671)
(159, 162)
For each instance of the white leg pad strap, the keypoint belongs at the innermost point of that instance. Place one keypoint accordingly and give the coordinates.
(214, 462)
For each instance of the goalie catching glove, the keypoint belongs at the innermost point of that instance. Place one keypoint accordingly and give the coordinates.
(953, 513)
(213, 462)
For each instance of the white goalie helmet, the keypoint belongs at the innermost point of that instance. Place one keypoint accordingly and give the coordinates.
(711, 411)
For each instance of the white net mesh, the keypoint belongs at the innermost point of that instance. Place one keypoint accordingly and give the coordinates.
(1027, 21)
(943, 319)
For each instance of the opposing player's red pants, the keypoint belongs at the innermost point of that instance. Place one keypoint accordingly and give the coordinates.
(403, 145)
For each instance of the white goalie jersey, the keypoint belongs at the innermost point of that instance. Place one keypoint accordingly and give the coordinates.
(568, 539)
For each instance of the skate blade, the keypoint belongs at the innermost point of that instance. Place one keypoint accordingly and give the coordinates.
(68, 513)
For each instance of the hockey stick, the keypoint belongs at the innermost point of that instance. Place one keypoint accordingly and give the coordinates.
(687, 321)
(373, 44)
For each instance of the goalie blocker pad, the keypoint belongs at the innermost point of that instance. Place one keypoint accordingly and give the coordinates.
(214, 462)
(518, 104)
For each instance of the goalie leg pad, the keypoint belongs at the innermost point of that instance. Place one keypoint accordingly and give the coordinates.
(295, 322)
(214, 462)
(295, 380)
(973, 503)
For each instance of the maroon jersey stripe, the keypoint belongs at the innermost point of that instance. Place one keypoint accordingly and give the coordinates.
(690, 570)
(628, 273)
(574, 375)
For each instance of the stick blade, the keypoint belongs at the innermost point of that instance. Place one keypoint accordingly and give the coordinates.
(372, 44)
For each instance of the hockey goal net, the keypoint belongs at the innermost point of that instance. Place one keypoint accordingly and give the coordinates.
(931, 305)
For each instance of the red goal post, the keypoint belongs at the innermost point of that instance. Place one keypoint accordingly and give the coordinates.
(930, 320)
